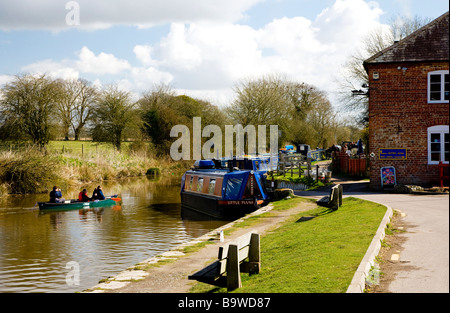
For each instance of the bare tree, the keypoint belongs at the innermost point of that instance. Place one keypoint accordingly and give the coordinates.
(353, 74)
(261, 101)
(76, 105)
(302, 112)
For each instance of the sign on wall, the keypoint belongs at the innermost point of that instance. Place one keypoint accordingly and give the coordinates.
(393, 154)
(388, 177)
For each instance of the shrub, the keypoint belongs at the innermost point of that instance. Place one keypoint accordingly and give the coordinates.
(153, 172)
(29, 172)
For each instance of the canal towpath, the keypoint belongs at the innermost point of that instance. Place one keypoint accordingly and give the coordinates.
(171, 277)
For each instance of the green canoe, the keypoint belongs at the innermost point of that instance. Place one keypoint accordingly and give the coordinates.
(75, 204)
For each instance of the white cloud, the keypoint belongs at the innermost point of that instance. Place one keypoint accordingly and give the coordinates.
(4, 79)
(208, 57)
(176, 52)
(213, 56)
(144, 79)
(100, 14)
(104, 63)
(144, 54)
(54, 69)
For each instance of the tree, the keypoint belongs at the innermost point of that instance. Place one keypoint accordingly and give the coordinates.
(27, 108)
(354, 75)
(114, 111)
(158, 117)
(76, 105)
(161, 109)
(260, 101)
(321, 120)
(302, 112)
(313, 117)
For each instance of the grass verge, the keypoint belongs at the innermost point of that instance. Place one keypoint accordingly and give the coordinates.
(316, 252)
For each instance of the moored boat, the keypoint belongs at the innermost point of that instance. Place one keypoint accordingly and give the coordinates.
(223, 192)
(76, 205)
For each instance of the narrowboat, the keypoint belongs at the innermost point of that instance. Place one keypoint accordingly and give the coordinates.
(262, 163)
(221, 190)
(76, 205)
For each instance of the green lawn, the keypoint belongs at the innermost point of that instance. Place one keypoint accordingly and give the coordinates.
(314, 255)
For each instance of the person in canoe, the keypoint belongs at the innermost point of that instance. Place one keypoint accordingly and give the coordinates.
(56, 195)
(83, 197)
(98, 194)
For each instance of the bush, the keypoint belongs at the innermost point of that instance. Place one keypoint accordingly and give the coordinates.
(153, 172)
(30, 172)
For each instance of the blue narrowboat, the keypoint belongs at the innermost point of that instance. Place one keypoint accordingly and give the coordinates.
(220, 189)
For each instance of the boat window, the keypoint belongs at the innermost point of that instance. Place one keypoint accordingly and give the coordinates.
(218, 190)
(191, 181)
(205, 185)
(200, 184)
(212, 186)
(193, 186)
(233, 187)
(263, 165)
(188, 182)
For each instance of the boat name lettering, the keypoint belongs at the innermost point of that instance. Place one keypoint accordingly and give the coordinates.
(236, 202)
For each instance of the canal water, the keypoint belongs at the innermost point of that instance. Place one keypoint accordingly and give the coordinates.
(43, 251)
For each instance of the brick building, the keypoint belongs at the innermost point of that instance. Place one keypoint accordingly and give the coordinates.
(409, 107)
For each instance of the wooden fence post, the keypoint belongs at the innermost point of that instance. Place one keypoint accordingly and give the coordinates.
(233, 273)
(254, 254)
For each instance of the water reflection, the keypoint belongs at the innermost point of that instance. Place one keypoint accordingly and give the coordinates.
(36, 246)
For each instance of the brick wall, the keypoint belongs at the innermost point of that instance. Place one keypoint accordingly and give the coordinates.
(399, 116)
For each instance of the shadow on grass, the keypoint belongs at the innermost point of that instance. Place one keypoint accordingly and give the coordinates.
(321, 213)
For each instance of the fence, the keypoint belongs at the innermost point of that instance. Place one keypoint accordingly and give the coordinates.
(292, 164)
(298, 165)
(13, 147)
(71, 148)
(352, 166)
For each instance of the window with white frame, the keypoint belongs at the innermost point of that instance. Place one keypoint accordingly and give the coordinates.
(438, 87)
(438, 144)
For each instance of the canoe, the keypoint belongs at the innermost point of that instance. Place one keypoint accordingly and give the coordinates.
(75, 204)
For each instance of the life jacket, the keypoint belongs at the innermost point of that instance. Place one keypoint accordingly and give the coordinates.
(80, 196)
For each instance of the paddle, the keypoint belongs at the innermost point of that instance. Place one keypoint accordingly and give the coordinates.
(115, 198)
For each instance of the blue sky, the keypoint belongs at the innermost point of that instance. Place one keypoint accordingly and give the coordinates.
(200, 47)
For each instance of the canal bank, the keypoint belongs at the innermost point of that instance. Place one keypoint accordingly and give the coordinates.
(167, 273)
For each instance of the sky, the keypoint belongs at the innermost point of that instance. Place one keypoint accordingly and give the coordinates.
(202, 48)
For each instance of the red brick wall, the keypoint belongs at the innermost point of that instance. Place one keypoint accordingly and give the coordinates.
(399, 116)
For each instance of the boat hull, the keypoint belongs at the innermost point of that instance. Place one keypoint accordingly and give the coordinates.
(75, 205)
(216, 207)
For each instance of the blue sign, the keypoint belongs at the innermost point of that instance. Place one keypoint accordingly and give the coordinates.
(393, 154)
